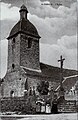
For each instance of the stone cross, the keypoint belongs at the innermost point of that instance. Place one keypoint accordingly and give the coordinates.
(61, 61)
(61, 75)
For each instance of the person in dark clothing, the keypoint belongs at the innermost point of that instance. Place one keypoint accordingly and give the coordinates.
(54, 109)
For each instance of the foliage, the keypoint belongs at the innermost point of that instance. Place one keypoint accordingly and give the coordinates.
(43, 87)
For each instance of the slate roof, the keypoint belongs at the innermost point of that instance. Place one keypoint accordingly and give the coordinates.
(24, 26)
(50, 72)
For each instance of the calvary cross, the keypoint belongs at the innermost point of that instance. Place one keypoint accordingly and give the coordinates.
(61, 61)
(61, 72)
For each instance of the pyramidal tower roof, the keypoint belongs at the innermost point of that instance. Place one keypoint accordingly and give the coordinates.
(24, 25)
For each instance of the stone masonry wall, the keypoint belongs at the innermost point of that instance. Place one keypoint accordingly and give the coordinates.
(18, 105)
(67, 106)
(13, 53)
(28, 105)
(14, 81)
(29, 57)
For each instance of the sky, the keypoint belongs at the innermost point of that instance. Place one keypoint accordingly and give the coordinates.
(56, 22)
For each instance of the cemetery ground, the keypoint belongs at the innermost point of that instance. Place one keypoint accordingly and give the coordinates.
(63, 116)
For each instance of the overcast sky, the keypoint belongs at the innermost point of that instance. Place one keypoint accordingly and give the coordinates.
(56, 23)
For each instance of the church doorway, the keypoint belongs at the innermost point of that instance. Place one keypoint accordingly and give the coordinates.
(26, 84)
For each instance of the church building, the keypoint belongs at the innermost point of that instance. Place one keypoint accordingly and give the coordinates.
(24, 70)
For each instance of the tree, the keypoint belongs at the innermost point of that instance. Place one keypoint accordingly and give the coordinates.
(43, 87)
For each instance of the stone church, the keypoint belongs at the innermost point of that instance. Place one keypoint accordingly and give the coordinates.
(24, 70)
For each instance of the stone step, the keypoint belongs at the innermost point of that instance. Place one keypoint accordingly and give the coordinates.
(67, 106)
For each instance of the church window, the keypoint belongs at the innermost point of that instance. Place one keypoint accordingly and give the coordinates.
(13, 40)
(19, 78)
(13, 45)
(29, 43)
(12, 93)
(13, 66)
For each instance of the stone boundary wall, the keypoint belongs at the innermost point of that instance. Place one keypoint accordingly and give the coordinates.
(69, 106)
(25, 105)
(28, 105)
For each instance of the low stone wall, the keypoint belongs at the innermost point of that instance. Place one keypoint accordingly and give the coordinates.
(25, 105)
(68, 106)
(28, 105)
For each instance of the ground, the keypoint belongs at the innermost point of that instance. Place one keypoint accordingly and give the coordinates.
(71, 116)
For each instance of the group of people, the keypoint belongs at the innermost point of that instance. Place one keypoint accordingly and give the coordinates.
(30, 92)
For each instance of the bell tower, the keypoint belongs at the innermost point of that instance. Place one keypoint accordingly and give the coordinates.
(23, 52)
(23, 44)
(29, 42)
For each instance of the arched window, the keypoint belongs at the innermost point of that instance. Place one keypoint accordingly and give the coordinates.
(13, 43)
(13, 40)
(29, 42)
(12, 93)
(13, 48)
(13, 66)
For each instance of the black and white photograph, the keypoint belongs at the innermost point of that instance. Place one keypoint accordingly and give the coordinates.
(38, 60)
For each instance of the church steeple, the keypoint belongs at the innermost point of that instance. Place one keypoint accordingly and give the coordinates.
(24, 41)
(23, 12)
